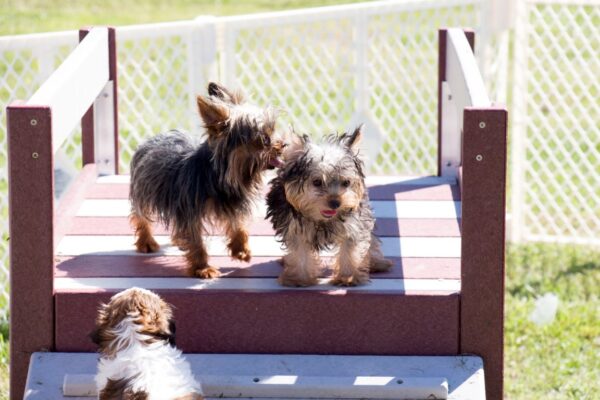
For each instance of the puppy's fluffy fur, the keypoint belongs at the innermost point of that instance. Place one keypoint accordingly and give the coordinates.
(319, 201)
(138, 358)
(188, 185)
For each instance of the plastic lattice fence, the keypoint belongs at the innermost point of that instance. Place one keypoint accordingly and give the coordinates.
(24, 65)
(377, 67)
(556, 133)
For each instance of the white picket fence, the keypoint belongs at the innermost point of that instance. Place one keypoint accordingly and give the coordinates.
(331, 68)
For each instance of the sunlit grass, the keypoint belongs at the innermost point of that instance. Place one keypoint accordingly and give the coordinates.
(4, 361)
(29, 16)
(559, 360)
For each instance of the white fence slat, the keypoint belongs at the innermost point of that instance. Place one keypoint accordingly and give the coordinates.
(451, 142)
(74, 86)
(336, 12)
(38, 40)
(462, 73)
(104, 131)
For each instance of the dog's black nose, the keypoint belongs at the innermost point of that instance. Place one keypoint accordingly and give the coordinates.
(334, 204)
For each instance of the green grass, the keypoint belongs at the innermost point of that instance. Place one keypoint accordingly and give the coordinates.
(559, 360)
(3, 361)
(28, 16)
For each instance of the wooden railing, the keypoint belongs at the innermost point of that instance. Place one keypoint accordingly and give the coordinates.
(84, 84)
(472, 147)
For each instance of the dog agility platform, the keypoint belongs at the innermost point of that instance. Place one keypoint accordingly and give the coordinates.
(437, 315)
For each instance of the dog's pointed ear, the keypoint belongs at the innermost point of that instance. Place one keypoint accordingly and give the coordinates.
(295, 144)
(220, 91)
(212, 112)
(352, 140)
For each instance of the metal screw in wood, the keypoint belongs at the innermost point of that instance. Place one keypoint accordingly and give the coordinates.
(479, 157)
(482, 124)
(33, 122)
(35, 155)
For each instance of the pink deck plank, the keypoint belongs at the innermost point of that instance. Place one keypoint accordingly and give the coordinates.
(286, 322)
(383, 227)
(259, 267)
(396, 191)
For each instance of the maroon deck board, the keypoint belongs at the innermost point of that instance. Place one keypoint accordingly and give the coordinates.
(395, 191)
(259, 267)
(482, 275)
(87, 124)
(31, 207)
(384, 227)
(290, 322)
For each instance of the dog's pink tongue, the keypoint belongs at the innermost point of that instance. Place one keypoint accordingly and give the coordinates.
(276, 162)
(328, 213)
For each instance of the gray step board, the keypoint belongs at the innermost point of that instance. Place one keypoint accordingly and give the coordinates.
(464, 374)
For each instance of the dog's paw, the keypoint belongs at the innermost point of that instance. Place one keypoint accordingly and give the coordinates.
(239, 249)
(350, 280)
(148, 245)
(207, 273)
(242, 255)
(294, 281)
(380, 265)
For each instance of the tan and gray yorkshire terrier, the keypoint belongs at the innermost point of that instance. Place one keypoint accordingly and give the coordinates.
(135, 333)
(188, 186)
(319, 201)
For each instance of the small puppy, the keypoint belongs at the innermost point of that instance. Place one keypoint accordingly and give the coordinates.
(188, 186)
(138, 357)
(318, 201)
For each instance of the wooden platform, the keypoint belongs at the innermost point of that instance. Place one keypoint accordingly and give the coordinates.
(247, 310)
(444, 296)
(464, 374)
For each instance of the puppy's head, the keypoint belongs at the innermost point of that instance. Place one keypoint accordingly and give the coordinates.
(242, 135)
(133, 315)
(324, 180)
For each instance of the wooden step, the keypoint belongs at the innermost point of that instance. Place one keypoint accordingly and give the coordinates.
(330, 376)
(412, 309)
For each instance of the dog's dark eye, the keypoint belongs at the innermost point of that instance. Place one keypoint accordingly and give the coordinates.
(317, 183)
(266, 140)
(345, 183)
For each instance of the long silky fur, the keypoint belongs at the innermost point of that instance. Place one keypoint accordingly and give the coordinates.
(322, 235)
(319, 178)
(138, 359)
(174, 178)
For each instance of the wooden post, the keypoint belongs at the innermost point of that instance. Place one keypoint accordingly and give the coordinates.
(103, 114)
(31, 209)
(483, 218)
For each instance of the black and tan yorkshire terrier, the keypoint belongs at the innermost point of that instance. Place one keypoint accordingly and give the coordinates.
(319, 201)
(138, 358)
(188, 186)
